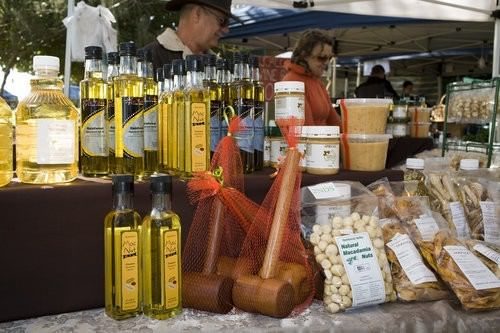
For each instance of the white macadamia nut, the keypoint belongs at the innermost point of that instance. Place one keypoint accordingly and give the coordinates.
(372, 232)
(328, 292)
(336, 281)
(334, 259)
(326, 228)
(344, 290)
(355, 216)
(366, 219)
(337, 270)
(328, 274)
(317, 229)
(336, 220)
(346, 301)
(337, 232)
(345, 279)
(378, 243)
(327, 238)
(317, 250)
(314, 238)
(322, 245)
(336, 298)
(331, 250)
(333, 308)
(320, 257)
(326, 264)
(348, 221)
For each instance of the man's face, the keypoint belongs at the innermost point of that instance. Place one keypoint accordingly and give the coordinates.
(213, 25)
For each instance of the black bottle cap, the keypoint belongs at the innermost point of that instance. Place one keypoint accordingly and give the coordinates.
(128, 49)
(161, 183)
(113, 58)
(123, 183)
(194, 63)
(254, 61)
(93, 52)
(159, 75)
(210, 59)
(144, 55)
(178, 67)
(167, 71)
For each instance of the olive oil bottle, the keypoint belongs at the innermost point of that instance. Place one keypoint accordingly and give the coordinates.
(224, 81)
(129, 120)
(160, 81)
(176, 119)
(46, 129)
(197, 119)
(215, 91)
(164, 107)
(6, 137)
(93, 101)
(122, 278)
(161, 253)
(241, 97)
(259, 104)
(145, 71)
(112, 72)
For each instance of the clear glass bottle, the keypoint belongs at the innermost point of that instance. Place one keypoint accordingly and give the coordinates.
(122, 279)
(47, 129)
(163, 110)
(176, 119)
(215, 91)
(93, 101)
(224, 80)
(129, 120)
(197, 119)
(6, 143)
(259, 105)
(145, 71)
(241, 97)
(160, 81)
(161, 253)
(112, 72)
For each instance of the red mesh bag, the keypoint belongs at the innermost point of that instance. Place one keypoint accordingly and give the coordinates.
(273, 276)
(223, 216)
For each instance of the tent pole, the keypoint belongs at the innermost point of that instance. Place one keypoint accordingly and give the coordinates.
(358, 76)
(333, 87)
(67, 57)
(495, 70)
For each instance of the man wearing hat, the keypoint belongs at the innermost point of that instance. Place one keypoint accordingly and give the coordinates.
(201, 24)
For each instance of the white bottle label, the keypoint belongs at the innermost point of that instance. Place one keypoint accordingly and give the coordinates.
(278, 150)
(427, 227)
(410, 260)
(322, 156)
(474, 270)
(55, 141)
(290, 106)
(362, 268)
(458, 217)
(488, 253)
(490, 221)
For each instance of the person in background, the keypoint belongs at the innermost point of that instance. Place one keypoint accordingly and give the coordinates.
(376, 86)
(407, 89)
(310, 59)
(201, 24)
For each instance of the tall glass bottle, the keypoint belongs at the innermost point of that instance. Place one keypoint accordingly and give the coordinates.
(145, 71)
(93, 100)
(129, 120)
(215, 91)
(160, 81)
(47, 129)
(224, 81)
(6, 137)
(176, 119)
(164, 105)
(241, 96)
(197, 118)
(161, 253)
(112, 72)
(122, 280)
(259, 104)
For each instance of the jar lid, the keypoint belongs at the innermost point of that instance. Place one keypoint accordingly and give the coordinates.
(45, 62)
(289, 86)
(323, 132)
(415, 163)
(469, 164)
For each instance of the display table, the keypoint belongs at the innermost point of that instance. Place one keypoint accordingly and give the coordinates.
(51, 238)
(402, 148)
(397, 317)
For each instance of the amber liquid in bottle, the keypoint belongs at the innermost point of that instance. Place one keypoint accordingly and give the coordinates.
(215, 92)
(164, 105)
(6, 142)
(176, 119)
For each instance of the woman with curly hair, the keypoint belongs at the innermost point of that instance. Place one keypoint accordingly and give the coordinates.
(310, 59)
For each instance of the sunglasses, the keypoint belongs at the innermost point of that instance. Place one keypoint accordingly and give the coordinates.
(221, 19)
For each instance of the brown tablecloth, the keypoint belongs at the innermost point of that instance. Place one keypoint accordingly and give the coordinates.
(51, 239)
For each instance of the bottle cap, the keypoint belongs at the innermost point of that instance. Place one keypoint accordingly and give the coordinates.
(289, 86)
(254, 61)
(240, 58)
(161, 183)
(209, 59)
(178, 67)
(415, 163)
(194, 63)
(113, 58)
(93, 52)
(469, 164)
(45, 62)
(144, 55)
(167, 71)
(123, 183)
(128, 49)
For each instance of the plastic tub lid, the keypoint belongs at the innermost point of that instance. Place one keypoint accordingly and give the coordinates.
(367, 137)
(415, 163)
(289, 86)
(45, 62)
(379, 101)
(323, 132)
(469, 164)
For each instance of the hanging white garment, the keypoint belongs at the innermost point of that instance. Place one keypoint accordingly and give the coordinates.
(91, 26)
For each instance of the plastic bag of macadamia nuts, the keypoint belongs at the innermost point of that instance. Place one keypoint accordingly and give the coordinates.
(350, 250)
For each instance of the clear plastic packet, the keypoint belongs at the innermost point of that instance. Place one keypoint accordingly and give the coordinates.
(350, 249)
(410, 208)
(409, 188)
(383, 190)
(488, 253)
(412, 279)
(474, 284)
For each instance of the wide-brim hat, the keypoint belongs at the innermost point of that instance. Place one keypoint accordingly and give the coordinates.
(224, 6)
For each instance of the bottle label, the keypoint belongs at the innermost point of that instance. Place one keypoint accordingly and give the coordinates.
(215, 119)
(171, 266)
(93, 132)
(199, 137)
(129, 270)
(289, 106)
(474, 270)
(55, 141)
(129, 127)
(151, 122)
(111, 126)
(258, 139)
(427, 227)
(488, 253)
(244, 109)
(278, 149)
(324, 156)
(490, 221)
(458, 218)
(362, 268)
